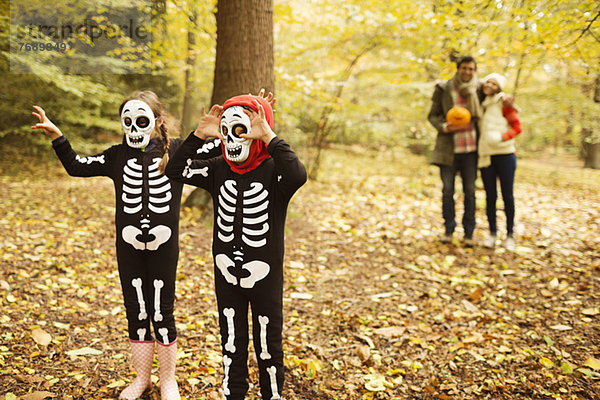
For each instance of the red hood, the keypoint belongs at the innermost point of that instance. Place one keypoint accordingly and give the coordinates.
(258, 148)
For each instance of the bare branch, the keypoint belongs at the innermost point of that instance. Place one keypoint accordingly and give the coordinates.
(587, 29)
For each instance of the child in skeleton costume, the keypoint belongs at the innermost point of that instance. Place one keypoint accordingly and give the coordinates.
(147, 226)
(251, 187)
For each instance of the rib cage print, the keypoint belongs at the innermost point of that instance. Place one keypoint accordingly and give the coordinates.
(145, 235)
(159, 188)
(255, 213)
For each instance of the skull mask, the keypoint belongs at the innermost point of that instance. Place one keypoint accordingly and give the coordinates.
(138, 123)
(234, 123)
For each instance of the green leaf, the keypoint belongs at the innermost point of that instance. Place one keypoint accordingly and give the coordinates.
(589, 373)
(566, 368)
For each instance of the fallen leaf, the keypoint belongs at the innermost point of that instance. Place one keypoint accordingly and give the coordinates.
(363, 352)
(41, 337)
(390, 331)
(116, 384)
(546, 362)
(591, 311)
(84, 351)
(566, 368)
(312, 368)
(37, 396)
(561, 327)
(60, 325)
(471, 307)
(301, 296)
(588, 373)
(593, 363)
(376, 383)
(476, 294)
(296, 265)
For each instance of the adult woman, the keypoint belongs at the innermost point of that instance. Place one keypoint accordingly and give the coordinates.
(499, 126)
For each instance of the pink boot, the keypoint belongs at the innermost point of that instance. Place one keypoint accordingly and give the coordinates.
(167, 358)
(142, 355)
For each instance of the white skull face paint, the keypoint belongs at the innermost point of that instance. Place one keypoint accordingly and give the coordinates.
(234, 123)
(138, 123)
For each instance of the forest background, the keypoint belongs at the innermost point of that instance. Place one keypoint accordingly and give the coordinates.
(376, 307)
(356, 72)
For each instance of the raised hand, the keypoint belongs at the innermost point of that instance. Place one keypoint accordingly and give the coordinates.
(270, 97)
(209, 125)
(260, 127)
(45, 124)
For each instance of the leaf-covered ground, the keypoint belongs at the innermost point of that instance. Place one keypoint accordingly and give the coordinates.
(375, 306)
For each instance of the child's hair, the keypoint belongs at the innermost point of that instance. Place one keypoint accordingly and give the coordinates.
(169, 124)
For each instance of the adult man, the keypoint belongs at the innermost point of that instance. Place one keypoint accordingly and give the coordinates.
(456, 145)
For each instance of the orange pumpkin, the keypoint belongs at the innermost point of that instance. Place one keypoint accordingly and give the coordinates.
(458, 116)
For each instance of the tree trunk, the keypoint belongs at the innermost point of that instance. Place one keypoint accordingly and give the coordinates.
(590, 150)
(187, 108)
(244, 60)
(590, 145)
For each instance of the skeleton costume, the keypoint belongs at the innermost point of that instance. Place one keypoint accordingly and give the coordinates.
(147, 227)
(250, 205)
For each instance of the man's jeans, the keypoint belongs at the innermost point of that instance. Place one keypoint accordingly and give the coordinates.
(466, 164)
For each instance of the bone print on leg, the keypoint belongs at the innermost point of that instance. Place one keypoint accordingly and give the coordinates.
(164, 332)
(137, 284)
(229, 314)
(273, 377)
(263, 320)
(158, 284)
(226, 364)
(141, 334)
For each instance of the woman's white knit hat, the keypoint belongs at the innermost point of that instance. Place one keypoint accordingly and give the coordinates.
(499, 79)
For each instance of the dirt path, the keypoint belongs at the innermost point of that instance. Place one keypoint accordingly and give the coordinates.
(372, 299)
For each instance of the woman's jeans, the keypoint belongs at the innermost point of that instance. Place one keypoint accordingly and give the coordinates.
(503, 167)
(466, 164)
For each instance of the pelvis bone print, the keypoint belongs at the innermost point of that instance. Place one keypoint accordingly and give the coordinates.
(145, 236)
(254, 229)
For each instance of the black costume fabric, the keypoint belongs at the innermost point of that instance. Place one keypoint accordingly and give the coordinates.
(248, 248)
(147, 227)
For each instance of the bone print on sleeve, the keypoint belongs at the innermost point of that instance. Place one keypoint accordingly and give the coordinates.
(75, 165)
(192, 161)
(290, 173)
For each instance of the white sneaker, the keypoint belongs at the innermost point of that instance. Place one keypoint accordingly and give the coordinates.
(489, 241)
(446, 238)
(509, 243)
